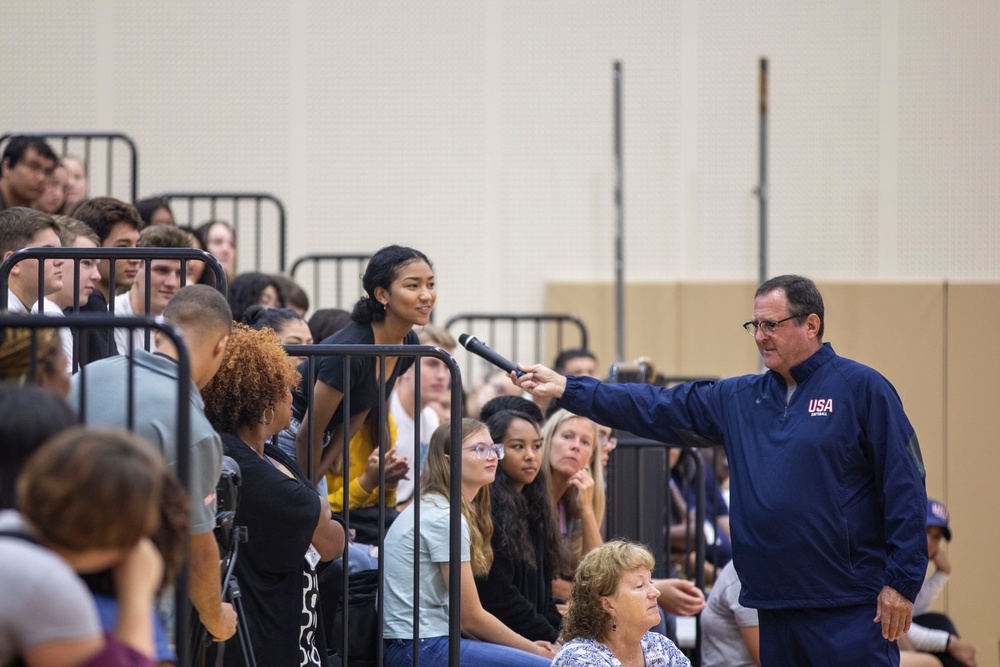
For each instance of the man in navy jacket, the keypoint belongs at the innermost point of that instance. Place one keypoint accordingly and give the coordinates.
(828, 499)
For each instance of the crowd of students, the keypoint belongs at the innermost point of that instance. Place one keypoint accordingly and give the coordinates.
(533, 491)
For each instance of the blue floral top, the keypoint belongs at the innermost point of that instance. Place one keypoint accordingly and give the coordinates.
(659, 652)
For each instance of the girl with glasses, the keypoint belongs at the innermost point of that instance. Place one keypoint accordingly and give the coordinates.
(496, 644)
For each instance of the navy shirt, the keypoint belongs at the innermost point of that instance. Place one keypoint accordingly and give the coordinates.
(827, 488)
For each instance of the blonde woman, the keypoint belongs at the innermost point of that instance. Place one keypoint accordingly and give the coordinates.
(573, 466)
(494, 643)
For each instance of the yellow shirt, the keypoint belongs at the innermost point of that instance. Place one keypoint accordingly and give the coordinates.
(361, 448)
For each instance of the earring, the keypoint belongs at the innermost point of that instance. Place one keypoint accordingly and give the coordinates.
(614, 627)
(264, 419)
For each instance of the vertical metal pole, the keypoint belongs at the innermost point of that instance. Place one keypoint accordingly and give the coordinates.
(762, 166)
(619, 220)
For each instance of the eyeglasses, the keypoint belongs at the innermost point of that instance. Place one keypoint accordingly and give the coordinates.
(767, 328)
(483, 449)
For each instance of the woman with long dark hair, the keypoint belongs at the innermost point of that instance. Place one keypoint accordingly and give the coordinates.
(527, 548)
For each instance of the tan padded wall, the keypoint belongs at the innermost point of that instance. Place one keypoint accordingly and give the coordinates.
(972, 463)
(936, 343)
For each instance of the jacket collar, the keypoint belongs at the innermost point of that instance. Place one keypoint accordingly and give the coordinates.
(802, 372)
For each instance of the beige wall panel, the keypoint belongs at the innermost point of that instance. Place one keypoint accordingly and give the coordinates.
(713, 342)
(973, 463)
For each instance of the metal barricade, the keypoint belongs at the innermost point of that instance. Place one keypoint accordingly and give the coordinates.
(643, 507)
(76, 255)
(102, 174)
(355, 263)
(380, 353)
(259, 209)
(513, 333)
(182, 470)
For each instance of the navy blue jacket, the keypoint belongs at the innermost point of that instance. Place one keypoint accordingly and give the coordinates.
(827, 490)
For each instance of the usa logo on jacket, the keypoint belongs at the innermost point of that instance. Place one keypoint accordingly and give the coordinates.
(820, 407)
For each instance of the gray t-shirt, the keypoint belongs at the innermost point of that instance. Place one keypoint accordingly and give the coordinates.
(41, 598)
(155, 383)
(434, 533)
(722, 644)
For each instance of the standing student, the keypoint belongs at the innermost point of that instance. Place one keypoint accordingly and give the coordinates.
(400, 294)
(495, 643)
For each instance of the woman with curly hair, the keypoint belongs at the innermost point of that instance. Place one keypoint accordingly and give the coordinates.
(613, 608)
(495, 643)
(527, 547)
(289, 528)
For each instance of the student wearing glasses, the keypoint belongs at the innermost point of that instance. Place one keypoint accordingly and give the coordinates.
(494, 643)
(828, 499)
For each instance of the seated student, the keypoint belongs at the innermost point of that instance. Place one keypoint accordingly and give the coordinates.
(729, 633)
(719, 546)
(72, 234)
(53, 198)
(495, 643)
(27, 228)
(931, 632)
(218, 239)
(24, 168)
(88, 500)
(289, 529)
(527, 548)
(46, 369)
(32, 415)
(574, 361)
(495, 384)
(155, 211)
(164, 283)
(327, 321)
(435, 380)
(292, 293)
(253, 289)
(76, 182)
(117, 225)
(288, 324)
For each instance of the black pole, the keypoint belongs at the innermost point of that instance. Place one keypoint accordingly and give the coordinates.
(762, 165)
(619, 220)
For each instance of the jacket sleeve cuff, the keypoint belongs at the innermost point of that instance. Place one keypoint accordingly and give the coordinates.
(908, 589)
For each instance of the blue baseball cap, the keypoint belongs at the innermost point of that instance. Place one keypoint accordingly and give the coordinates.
(937, 515)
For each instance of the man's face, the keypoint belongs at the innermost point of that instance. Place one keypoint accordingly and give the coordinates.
(89, 276)
(123, 235)
(581, 367)
(24, 277)
(435, 379)
(164, 282)
(791, 343)
(55, 192)
(27, 179)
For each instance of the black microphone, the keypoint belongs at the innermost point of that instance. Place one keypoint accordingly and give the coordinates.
(481, 349)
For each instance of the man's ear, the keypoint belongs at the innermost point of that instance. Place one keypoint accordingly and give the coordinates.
(812, 324)
(16, 269)
(220, 347)
(4, 166)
